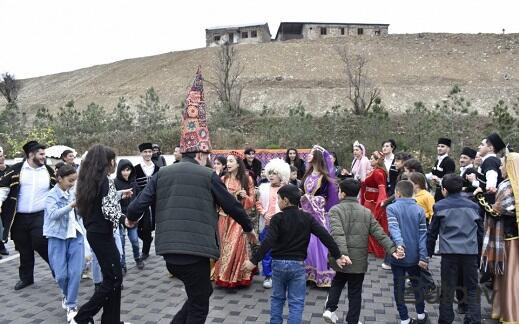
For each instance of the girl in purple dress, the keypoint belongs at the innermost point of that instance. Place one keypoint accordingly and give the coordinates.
(320, 194)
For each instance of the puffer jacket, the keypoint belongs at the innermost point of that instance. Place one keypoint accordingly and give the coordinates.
(350, 226)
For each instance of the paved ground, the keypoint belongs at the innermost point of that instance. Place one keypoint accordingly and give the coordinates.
(151, 296)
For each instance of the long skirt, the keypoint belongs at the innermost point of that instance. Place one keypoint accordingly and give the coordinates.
(234, 251)
(505, 307)
(380, 215)
(316, 263)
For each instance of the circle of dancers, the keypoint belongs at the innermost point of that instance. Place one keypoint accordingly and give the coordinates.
(295, 219)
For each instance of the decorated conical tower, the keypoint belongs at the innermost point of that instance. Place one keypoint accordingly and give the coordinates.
(195, 133)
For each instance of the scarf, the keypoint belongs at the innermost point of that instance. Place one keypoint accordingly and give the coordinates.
(493, 255)
(110, 205)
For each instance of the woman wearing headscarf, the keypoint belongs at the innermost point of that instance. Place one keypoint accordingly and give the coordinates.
(320, 194)
(360, 166)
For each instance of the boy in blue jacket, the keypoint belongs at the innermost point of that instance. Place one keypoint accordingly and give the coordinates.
(408, 230)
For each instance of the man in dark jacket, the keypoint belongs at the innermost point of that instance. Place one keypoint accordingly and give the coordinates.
(456, 220)
(185, 196)
(4, 168)
(23, 191)
(444, 165)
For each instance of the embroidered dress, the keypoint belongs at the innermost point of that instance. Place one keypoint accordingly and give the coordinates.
(234, 248)
(372, 194)
(314, 202)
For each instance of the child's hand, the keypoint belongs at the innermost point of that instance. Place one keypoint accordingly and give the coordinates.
(73, 204)
(248, 266)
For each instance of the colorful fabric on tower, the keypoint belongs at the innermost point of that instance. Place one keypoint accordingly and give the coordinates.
(195, 133)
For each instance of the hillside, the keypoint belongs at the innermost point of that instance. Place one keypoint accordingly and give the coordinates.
(407, 68)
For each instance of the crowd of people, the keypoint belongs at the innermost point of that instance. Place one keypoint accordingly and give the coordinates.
(214, 219)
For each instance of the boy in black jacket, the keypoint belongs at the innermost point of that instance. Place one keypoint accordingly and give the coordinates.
(288, 238)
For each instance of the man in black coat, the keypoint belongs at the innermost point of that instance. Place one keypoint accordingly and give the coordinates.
(143, 172)
(23, 191)
(444, 165)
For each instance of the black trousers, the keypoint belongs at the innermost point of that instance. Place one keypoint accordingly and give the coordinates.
(196, 279)
(108, 295)
(144, 229)
(27, 234)
(354, 281)
(451, 266)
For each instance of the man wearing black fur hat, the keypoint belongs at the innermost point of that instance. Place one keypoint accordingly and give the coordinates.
(23, 191)
(444, 165)
(143, 172)
(467, 157)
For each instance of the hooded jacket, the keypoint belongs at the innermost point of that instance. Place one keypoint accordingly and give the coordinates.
(121, 184)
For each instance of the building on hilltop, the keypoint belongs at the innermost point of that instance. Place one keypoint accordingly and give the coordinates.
(316, 30)
(243, 34)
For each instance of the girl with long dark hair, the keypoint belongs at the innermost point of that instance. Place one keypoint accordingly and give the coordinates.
(234, 248)
(320, 194)
(65, 233)
(98, 204)
(372, 196)
(220, 165)
(293, 159)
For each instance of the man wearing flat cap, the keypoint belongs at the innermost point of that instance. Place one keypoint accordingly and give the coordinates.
(444, 165)
(23, 191)
(143, 172)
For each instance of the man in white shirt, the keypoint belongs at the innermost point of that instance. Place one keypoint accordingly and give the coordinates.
(23, 191)
(388, 147)
(143, 172)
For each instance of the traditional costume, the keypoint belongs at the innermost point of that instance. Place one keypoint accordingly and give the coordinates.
(267, 206)
(143, 173)
(360, 167)
(319, 196)
(501, 244)
(444, 165)
(234, 248)
(372, 195)
(468, 187)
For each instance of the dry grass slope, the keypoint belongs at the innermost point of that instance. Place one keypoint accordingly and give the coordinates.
(408, 68)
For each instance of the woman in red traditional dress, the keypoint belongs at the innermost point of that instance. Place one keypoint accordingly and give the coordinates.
(372, 195)
(234, 248)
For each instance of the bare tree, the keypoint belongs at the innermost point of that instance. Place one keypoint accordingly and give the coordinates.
(361, 91)
(9, 87)
(227, 70)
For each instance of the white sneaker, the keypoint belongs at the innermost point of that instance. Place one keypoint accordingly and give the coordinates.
(386, 266)
(267, 283)
(330, 317)
(71, 313)
(64, 303)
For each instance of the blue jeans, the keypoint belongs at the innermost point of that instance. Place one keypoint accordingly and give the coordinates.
(134, 240)
(266, 263)
(66, 258)
(288, 275)
(97, 276)
(399, 277)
